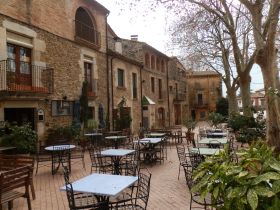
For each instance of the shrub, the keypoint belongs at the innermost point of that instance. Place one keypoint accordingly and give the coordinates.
(70, 133)
(251, 183)
(22, 137)
(215, 118)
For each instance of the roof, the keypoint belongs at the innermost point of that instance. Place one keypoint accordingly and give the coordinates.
(203, 73)
(122, 57)
(101, 7)
(145, 45)
(147, 101)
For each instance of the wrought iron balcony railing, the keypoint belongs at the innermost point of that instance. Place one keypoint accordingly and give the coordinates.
(23, 77)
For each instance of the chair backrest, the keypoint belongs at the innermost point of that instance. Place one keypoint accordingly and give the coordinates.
(143, 189)
(8, 162)
(69, 189)
(131, 168)
(181, 153)
(15, 178)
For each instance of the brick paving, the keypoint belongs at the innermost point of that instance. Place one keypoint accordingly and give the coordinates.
(167, 192)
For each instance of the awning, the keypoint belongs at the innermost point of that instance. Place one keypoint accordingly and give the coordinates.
(147, 101)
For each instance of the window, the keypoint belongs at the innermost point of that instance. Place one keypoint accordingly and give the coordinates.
(152, 62)
(159, 88)
(158, 64)
(88, 75)
(134, 85)
(120, 78)
(19, 63)
(162, 66)
(202, 115)
(176, 88)
(153, 84)
(62, 108)
(199, 99)
(86, 27)
(147, 60)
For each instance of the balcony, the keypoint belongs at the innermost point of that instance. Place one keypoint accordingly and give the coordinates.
(21, 77)
(200, 105)
(87, 35)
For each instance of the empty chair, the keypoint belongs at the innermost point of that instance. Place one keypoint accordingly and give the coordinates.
(42, 156)
(79, 153)
(99, 163)
(141, 197)
(183, 161)
(78, 200)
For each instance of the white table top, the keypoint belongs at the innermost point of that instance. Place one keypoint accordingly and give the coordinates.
(60, 147)
(156, 134)
(93, 134)
(213, 141)
(205, 151)
(150, 140)
(117, 152)
(115, 137)
(6, 148)
(217, 134)
(103, 184)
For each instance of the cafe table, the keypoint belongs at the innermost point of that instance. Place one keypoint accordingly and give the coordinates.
(116, 156)
(216, 135)
(155, 135)
(213, 141)
(3, 149)
(116, 139)
(149, 148)
(58, 155)
(205, 151)
(102, 186)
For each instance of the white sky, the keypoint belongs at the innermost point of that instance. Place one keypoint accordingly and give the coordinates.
(151, 27)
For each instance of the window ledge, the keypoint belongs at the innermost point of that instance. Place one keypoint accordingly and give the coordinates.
(121, 88)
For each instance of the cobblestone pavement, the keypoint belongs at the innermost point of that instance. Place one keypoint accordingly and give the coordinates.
(167, 192)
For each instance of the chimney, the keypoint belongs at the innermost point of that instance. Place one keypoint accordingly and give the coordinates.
(118, 45)
(134, 37)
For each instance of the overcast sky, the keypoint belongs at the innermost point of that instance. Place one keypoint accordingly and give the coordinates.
(152, 28)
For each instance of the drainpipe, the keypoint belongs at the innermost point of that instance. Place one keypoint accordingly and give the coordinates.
(168, 103)
(141, 96)
(107, 68)
(112, 93)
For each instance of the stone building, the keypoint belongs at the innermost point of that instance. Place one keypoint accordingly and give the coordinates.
(205, 88)
(178, 93)
(154, 81)
(47, 50)
(125, 85)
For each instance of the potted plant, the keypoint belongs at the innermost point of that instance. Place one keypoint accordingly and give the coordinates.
(92, 125)
(215, 118)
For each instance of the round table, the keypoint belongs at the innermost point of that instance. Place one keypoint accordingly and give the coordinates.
(60, 156)
(115, 139)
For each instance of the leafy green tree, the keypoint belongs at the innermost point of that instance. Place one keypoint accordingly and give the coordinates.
(222, 107)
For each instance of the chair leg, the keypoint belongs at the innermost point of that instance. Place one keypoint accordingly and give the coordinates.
(29, 202)
(179, 171)
(37, 165)
(32, 190)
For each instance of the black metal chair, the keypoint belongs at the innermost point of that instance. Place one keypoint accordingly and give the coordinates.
(81, 200)
(79, 153)
(195, 196)
(42, 156)
(98, 162)
(183, 158)
(141, 197)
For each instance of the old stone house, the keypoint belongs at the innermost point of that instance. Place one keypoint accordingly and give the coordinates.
(205, 88)
(155, 97)
(178, 93)
(47, 50)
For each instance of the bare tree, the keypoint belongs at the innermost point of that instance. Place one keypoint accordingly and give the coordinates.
(204, 45)
(264, 17)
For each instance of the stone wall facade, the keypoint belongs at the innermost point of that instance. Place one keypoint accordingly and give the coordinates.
(208, 85)
(49, 27)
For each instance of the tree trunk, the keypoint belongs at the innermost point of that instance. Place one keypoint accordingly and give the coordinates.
(271, 80)
(232, 102)
(244, 82)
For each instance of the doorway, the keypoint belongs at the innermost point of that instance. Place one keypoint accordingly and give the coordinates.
(20, 116)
